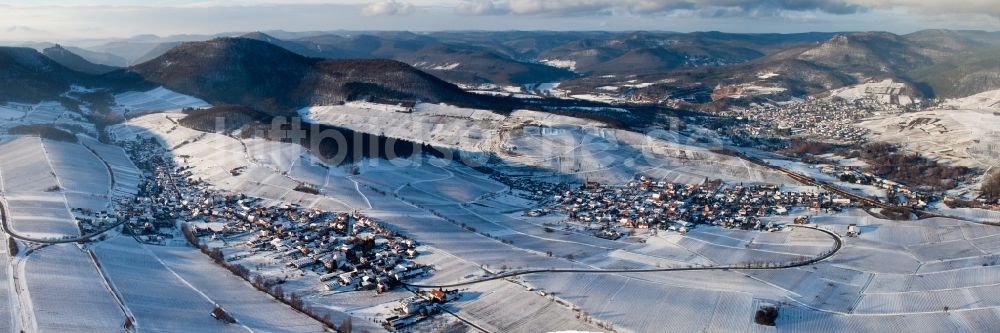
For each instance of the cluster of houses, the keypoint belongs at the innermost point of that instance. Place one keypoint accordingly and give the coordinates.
(644, 203)
(91, 221)
(821, 119)
(896, 193)
(533, 189)
(347, 250)
(414, 309)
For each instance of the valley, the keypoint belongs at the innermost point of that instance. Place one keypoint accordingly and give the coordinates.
(499, 182)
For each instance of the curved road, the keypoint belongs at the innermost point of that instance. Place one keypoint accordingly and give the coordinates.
(838, 243)
(4, 223)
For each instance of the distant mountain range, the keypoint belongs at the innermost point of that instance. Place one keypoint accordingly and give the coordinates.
(278, 70)
(856, 57)
(459, 63)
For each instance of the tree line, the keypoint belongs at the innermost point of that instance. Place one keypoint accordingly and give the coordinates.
(913, 169)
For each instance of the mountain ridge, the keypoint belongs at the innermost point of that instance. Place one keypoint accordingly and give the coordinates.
(74, 61)
(275, 80)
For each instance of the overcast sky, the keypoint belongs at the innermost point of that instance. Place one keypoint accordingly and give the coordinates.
(59, 20)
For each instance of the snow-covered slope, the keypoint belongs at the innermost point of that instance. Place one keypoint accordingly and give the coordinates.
(989, 100)
(159, 99)
(265, 169)
(961, 137)
(45, 113)
(567, 146)
(886, 91)
(965, 137)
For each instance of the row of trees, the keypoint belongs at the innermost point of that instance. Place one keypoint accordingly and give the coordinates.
(800, 147)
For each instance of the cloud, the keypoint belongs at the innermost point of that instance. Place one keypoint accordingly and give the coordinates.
(989, 7)
(479, 7)
(387, 8)
(649, 7)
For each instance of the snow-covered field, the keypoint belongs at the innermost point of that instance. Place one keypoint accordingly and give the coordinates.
(42, 180)
(31, 190)
(491, 308)
(77, 169)
(126, 175)
(638, 305)
(465, 129)
(159, 99)
(896, 273)
(975, 214)
(255, 310)
(44, 113)
(24, 166)
(600, 98)
(174, 289)
(447, 67)
(40, 215)
(67, 293)
(7, 296)
(160, 300)
(9, 113)
(615, 156)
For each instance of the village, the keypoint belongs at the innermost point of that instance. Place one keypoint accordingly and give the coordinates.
(345, 251)
(831, 120)
(647, 204)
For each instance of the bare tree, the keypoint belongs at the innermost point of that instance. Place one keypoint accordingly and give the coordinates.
(991, 187)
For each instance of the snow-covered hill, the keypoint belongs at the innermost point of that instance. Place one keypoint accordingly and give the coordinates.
(562, 145)
(885, 91)
(989, 100)
(159, 99)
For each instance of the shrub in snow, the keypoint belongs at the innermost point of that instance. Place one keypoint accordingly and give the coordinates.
(766, 314)
(220, 314)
